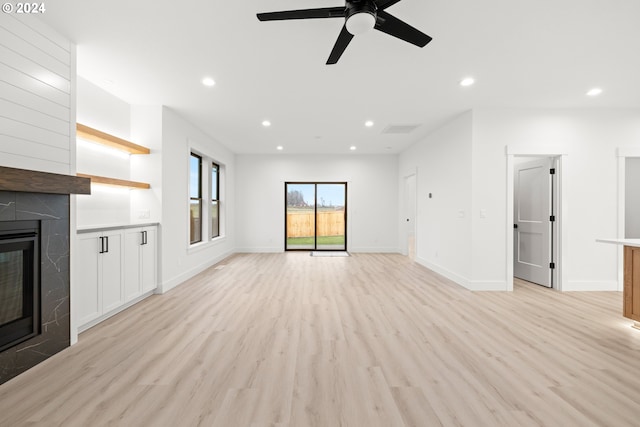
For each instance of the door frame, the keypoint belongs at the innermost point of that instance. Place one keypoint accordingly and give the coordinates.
(560, 203)
(315, 214)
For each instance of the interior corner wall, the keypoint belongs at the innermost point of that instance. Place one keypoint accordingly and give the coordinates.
(442, 162)
(372, 213)
(179, 261)
(588, 139)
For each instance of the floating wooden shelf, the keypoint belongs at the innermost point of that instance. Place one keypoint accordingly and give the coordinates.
(112, 181)
(103, 138)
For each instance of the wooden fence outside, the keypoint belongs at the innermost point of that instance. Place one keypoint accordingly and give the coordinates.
(301, 224)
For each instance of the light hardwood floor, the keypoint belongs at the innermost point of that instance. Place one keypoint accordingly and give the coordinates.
(369, 340)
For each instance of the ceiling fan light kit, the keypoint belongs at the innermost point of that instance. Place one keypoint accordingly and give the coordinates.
(359, 16)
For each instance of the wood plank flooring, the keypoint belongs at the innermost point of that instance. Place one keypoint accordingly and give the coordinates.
(368, 340)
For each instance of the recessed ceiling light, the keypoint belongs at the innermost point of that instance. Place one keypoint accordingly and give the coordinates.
(208, 81)
(266, 123)
(467, 81)
(594, 92)
(368, 123)
(352, 148)
(279, 148)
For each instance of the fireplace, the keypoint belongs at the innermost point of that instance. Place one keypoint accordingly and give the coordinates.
(34, 266)
(19, 282)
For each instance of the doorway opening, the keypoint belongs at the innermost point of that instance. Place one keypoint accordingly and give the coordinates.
(316, 216)
(535, 221)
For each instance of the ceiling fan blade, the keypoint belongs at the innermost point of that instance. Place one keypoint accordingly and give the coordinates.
(394, 27)
(383, 4)
(341, 44)
(325, 12)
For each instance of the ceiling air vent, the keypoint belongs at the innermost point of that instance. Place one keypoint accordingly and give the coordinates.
(400, 129)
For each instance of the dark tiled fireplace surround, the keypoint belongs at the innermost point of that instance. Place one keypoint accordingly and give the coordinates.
(44, 197)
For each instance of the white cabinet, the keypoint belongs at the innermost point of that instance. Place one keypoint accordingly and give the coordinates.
(99, 284)
(116, 268)
(139, 261)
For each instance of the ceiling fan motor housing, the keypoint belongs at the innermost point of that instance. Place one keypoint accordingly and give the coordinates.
(360, 16)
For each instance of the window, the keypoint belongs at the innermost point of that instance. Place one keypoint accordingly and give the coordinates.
(206, 186)
(195, 195)
(215, 200)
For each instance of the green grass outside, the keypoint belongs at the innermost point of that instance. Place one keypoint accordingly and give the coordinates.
(322, 240)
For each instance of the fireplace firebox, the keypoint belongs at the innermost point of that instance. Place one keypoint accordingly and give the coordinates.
(19, 282)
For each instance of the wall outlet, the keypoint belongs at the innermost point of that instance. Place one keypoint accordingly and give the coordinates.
(144, 214)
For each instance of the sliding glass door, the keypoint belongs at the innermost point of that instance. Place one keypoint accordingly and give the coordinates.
(316, 216)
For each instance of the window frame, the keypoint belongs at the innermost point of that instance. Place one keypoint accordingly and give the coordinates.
(196, 199)
(214, 232)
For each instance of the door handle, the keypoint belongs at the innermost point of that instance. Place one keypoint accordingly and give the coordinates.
(515, 225)
(106, 239)
(101, 245)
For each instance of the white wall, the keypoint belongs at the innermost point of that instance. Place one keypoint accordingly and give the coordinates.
(139, 124)
(464, 165)
(443, 223)
(632, 198)
(372, 213)
(179, 260)
(587, 139)
(37, 107)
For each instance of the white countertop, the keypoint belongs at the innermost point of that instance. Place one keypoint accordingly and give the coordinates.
(625, 242)
(107, 227)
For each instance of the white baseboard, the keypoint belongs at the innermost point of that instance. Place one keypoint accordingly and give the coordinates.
(454, 277)
(167, 285)
(472, 285)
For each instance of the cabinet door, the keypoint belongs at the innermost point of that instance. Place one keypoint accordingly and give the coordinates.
(631, 295)
(112, 289)
(148, 259)
(132, 245)
(87, 298)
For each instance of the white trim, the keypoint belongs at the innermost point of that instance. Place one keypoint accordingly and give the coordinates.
(167, 285)
(454, 277)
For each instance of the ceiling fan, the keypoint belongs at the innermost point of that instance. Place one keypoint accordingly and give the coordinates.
(360, 16)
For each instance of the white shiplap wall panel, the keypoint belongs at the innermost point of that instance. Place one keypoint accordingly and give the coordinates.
(27, 132)
(36, 90)
(33, 44)
(32, 84)
(30, 149)
(12, 110)
(39, 27)
(33, 69)
(33, 101)
(32, 163)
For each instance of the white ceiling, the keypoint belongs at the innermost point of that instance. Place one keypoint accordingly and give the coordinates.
(523, 54)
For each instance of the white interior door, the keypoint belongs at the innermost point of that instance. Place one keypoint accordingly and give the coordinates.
(410, 218)
(532, 217)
